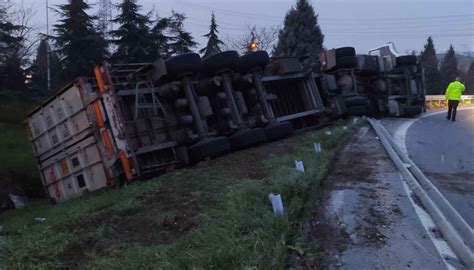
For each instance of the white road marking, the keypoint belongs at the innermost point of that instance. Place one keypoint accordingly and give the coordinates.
(428, 224)
(401, 133)
(440, 244)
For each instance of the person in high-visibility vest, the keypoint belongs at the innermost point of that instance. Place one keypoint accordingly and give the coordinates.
(453, 95)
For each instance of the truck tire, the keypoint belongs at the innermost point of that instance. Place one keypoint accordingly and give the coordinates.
(253, 60)
(346, 62)
(278, 131)
(246, 138)
(406, 60)
(352, 101)
(345, 51)
(209, 147)
(220, 61)
(182, 64)
(357, 110)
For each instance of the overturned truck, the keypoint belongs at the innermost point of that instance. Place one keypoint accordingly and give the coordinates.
(138, 120)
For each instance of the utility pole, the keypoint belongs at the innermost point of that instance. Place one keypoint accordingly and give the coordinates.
(48, 70)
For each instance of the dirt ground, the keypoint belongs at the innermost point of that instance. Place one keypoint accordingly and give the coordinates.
(362, 219)
(181, 205)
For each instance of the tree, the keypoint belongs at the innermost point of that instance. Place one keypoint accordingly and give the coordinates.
(213, 41)
(301, 34)
(265, 38)
(160, 38)
(12, 75)
(79, 44)
(181, 41)
(429, 63)
(39, 70)
(449, 68)
(469, 79)
(132, 38)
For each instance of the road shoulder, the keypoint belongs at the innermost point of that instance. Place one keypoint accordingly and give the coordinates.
(365, 219)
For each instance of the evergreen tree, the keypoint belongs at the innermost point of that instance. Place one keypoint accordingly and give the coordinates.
(79, 44)
(470, 80)
(39, 70)
(449, 68)
(181, 41)
(158, 34)
(133, 35)
(429, 63)
(213, 41)
(12, 75)
(301, 34)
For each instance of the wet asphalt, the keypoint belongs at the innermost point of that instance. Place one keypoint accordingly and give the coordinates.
(444, 151)
(364, 195)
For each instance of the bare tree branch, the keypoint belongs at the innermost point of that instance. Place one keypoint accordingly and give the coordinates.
(25, 31)
(265, 37)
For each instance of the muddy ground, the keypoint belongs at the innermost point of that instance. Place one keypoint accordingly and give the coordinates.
(363, 218)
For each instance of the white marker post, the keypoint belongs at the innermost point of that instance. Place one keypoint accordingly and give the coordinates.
(299, 166)
(317, 147)
(277, 203)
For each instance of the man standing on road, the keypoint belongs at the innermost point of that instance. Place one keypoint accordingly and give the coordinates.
(453, 95)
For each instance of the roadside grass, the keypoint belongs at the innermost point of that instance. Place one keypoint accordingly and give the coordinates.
(16, 154)
(213, 215)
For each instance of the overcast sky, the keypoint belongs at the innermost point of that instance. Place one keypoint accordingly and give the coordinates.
(363, 24)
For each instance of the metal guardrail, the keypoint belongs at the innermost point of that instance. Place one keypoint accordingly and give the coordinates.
(453, 227)
(439, 101)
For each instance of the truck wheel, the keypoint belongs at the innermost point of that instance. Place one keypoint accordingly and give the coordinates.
(356, 101)
(253, 60)
(406, 60)
(357, 110)
(209, 147)
(182, 64)
(246, 138)
(278, 131)
(346, 62)
(223, 60)
(345, 51)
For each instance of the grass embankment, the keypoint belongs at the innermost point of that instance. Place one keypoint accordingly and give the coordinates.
(213, 215)
(16, 155)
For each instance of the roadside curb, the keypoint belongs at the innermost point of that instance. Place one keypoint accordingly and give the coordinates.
(454, 228)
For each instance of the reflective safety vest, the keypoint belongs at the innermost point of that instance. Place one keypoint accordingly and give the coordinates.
(454, 91)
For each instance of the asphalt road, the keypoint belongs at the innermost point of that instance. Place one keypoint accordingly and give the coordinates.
(367, 218)
(444, 151)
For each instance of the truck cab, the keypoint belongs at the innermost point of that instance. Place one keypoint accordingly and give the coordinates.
(400, 84)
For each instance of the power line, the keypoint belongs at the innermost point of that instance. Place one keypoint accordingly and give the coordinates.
(405, 36)
(399, 20)
(382, 32)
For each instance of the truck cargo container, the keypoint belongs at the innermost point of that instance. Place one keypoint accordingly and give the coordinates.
(72, 142)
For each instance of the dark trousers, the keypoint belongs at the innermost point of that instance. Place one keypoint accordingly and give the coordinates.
(452, 108)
